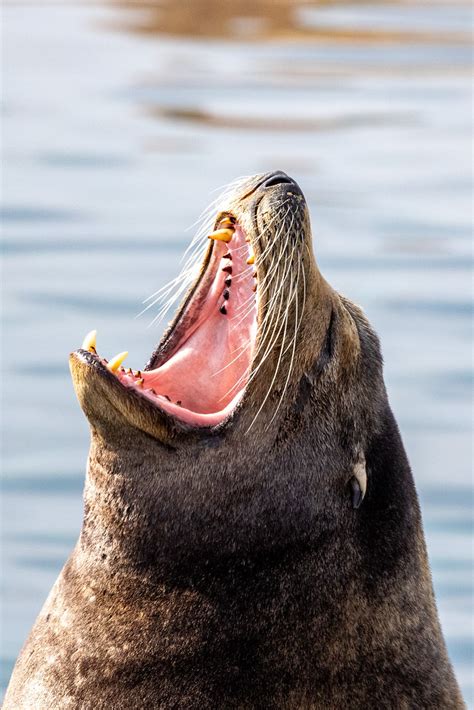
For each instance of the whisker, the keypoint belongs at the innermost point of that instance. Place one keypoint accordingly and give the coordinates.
(275, 373)
(270, 316)
(290, 368)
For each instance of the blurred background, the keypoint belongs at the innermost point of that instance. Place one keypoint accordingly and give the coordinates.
(120, 118)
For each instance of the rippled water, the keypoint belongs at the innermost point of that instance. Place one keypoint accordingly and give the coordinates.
(118, 124)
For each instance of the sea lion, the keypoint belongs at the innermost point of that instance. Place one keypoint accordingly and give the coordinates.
(252, 536)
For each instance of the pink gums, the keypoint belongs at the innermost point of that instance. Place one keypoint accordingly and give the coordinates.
(209, 369)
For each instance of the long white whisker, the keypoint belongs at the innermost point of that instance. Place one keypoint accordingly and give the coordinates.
(271, 311)
(269, 276)
(290, 367)
(280, 295)
(275, 373)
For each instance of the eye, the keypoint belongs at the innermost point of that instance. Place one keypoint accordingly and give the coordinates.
(358, 483)
(356, 492)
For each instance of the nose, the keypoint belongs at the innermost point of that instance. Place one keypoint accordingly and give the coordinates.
(279, 178)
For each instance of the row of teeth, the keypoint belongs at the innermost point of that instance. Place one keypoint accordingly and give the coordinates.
(224, 233)
(114, 365)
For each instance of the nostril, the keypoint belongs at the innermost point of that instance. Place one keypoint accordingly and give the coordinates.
(280, 179)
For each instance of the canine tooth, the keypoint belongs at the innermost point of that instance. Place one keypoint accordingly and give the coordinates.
(116, 361)
(139, 382)
(226, 223)
(223, 309)
(251, 259)
(222, 235)
(90, 341)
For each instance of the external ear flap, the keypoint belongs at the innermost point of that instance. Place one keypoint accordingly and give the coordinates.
(358, 482)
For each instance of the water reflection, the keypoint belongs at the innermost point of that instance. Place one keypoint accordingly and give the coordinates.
(121, 118)
(286, 20)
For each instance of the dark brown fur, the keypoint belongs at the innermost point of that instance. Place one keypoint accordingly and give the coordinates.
(226, 569)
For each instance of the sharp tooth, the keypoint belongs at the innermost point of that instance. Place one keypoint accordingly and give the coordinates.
(116, 361)
(226, 223)
(222, 235)
(251, 259)
(139, 382)
(90, 341)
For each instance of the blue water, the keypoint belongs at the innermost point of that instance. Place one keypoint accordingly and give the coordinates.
(115, 131)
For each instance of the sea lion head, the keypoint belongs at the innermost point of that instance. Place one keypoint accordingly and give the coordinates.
(250, 422)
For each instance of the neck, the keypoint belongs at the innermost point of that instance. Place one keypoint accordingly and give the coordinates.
(336, 606)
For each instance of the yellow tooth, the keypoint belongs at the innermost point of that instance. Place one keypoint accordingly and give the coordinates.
(226, 223)
(222, 235)
(116, 361)
(251, 259)
(139, 382)
(90, 341)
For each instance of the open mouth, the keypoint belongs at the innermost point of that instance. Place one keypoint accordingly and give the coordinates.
(203, 365)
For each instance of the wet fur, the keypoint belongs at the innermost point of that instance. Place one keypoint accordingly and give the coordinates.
(223, 570)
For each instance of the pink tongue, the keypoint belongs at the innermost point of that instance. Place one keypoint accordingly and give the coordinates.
(210, 368)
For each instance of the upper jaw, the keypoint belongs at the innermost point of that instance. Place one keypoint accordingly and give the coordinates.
(171, 336)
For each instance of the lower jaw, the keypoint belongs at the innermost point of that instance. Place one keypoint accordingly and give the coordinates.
(176, 409)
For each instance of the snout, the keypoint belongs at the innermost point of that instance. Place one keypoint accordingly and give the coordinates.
(280, 180)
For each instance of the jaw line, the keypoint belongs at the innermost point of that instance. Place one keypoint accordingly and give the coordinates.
(104, 398)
